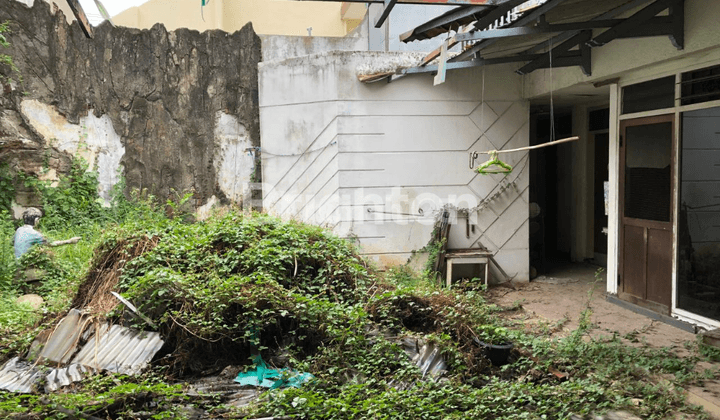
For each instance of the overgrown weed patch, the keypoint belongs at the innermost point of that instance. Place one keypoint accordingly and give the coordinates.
(239, 284)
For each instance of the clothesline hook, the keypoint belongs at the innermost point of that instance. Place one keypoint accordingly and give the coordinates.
(473, 157)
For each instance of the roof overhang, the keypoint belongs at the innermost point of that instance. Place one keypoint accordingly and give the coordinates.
(389, 4)
(540, 33)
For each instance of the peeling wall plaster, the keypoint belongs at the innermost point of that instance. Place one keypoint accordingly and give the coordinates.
(94, 139)
(233, 160)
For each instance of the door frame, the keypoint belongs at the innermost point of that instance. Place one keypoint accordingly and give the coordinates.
(666, 226)
(614, 217)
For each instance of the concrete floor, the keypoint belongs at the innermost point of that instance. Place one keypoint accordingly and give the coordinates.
(560, 296)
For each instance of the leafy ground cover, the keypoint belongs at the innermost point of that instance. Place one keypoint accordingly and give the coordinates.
(221, 290)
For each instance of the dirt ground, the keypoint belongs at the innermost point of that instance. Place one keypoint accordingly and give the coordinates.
(557, 299)
(563, 294)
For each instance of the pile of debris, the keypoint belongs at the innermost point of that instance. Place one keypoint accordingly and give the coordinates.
(226, 295)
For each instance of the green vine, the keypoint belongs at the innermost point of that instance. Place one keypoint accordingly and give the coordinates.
(6, 58)
(73, 201)
(7, 187)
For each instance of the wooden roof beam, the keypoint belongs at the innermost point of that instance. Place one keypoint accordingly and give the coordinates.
(389, 4)
(81, 18)
(540, 29)
(427, 2)
(450, 19)
(632, 22)
(560, 50)
(485, 20)
(528, 18)
(571, 59)
(567, 35)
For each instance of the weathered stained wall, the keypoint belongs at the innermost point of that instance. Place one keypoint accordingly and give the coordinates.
(178, 110)
(378, 162)
(281, 47)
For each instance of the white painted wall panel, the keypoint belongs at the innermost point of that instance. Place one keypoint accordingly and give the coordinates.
(408, 132)
(282, 173)
(418, 195)
(404, 169)
(318, 185)
(324, 208)
(402, 149)
(286, 130)
(414, 108)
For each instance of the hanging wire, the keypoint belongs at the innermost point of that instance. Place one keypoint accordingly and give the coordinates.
(494, 165)
(482, 102)
(267, 154)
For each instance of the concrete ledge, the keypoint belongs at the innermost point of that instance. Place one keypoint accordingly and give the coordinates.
(686, 326)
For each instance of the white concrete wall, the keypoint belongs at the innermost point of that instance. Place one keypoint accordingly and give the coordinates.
(378, 162)
(281, 47)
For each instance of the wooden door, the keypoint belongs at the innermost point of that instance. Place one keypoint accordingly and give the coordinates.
(647, 167)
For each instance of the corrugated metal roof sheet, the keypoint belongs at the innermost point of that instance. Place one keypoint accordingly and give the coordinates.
(25, 377)
(61, 344)
(119, 350)
(425, 355)
(58, 378)
(112, 348)
(19, 376)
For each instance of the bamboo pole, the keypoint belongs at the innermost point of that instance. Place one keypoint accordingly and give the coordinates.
(537, 146)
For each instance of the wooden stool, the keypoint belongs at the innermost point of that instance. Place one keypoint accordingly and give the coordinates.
(467, 256)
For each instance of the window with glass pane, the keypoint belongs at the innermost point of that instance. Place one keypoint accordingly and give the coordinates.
(648, 155)
(648, 96)
(698, 285)
(701, 86)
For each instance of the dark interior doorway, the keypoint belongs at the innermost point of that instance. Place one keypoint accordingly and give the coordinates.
(599, 125)
(550, 191)
(600, 207)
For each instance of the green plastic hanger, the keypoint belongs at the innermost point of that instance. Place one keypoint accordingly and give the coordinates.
(494, 165)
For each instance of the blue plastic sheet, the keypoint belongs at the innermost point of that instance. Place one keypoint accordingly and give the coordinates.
(266, 377)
